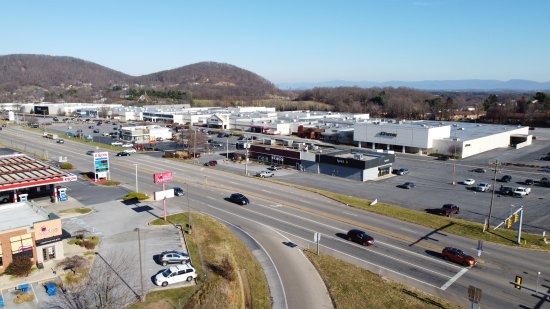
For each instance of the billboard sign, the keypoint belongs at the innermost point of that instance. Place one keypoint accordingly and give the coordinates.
(163, 177)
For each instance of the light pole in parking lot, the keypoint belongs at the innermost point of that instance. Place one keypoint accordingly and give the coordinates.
(142, 296)
(492, 196)
(227, 148)
(137, 188)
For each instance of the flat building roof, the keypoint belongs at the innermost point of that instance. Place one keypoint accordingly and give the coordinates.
(19, 215)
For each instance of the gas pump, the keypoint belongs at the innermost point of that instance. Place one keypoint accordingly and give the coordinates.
(62, 193)
(23, 197)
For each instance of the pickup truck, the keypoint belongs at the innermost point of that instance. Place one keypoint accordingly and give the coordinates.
(522, 191)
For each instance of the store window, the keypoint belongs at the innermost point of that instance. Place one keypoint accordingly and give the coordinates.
(21, 245)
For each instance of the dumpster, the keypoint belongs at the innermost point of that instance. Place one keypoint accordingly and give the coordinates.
(1, 302)
(23, 288)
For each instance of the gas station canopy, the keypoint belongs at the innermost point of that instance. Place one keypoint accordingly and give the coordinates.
(18, 171)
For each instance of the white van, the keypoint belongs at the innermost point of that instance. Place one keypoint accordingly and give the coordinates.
(175, 274)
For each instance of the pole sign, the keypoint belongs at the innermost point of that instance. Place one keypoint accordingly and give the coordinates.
(163, 177)
(101, 165)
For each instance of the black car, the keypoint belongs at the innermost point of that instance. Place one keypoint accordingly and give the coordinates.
(506, 190)
(506, 178)
(173, 257)
(359, 237)
(479, 170)
(529, 181)
(96, 131)
(402, 171)
(178, 191)
(239, 199)
(444, 158)
(545, 158)
(407, 185)
(123, 154)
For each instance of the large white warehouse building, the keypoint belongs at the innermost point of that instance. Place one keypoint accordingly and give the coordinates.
(431, 137)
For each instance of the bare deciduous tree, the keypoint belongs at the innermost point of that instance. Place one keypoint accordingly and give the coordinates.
(104, 287)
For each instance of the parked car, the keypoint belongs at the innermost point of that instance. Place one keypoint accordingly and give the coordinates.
(123, 154)
(529, 182)
(117, 143)
(444, 158)
(130, 150)
(238, 198)
(5, 197)
(96, 131)
(506, 178)
(360, 237)
(469, 181)
(545, 158)
(479, 170)
(264, 174)
(211, 163)
(61, 141)
(448, 210)
(175, 274)
(106, 134)
(407, 185)
(402, 171)
(178, 191)
(506, 190)
(273, 168)
(216, 144)
(458, 256)
(546, 169)
(159, 139)
(522, 191)
(483, 187)
(173, 257)
(127, 145)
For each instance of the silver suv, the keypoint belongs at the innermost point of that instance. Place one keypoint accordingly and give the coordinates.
(173, 257)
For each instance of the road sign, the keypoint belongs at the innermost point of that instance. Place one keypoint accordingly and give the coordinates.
(317, 237)
(474, 294)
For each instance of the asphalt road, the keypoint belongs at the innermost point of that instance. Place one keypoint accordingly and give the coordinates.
(402, 251)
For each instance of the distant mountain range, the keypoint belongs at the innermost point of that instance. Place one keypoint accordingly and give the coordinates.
(429, 85)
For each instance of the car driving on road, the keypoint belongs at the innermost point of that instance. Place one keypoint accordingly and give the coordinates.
(264, 174)
(238, 198)
(479, 170)
(407, 185)
(178, 191)
(123, 154)
(360, 237)
(458, 256)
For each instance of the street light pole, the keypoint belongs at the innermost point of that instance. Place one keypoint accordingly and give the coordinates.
(142, 296)
(492, 196)
(137, 188)
(194, 145)
(227, 148)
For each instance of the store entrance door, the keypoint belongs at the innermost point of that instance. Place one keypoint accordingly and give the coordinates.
(48, 253)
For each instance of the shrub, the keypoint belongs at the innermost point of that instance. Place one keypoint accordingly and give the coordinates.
(87, 244)
(20, 266)
(66, 166)
(25, 297)
(226, 269)
(135, 195)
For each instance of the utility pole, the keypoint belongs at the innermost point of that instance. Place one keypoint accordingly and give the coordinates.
(492, 195)
(194, 144)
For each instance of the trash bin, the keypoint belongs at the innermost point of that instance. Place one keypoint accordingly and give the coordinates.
(51, 289)
(1, 302)
(23, 288)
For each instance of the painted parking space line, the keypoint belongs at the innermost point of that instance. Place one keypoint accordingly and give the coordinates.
(454, 278)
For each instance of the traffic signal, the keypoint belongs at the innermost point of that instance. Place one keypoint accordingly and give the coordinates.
(508, 223)
(518, 282)
(516, 217)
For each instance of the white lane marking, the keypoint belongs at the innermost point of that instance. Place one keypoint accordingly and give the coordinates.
(341, 230)
(346, 242)
(349, 213)
(346, 254)
(267, 253)
(454, 278)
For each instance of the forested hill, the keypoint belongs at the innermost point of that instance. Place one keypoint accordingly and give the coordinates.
(35, 78)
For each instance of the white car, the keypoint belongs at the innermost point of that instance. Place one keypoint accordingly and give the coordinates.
(116, 143)
(175, 274)
(264, 174)
(483, 187)
(130, 150)
(469, 181)
(127, 145)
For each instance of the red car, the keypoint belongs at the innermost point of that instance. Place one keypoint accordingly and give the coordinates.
(211, 163)
(458, 256)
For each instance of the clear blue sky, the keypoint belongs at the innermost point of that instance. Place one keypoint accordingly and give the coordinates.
(293, 40)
